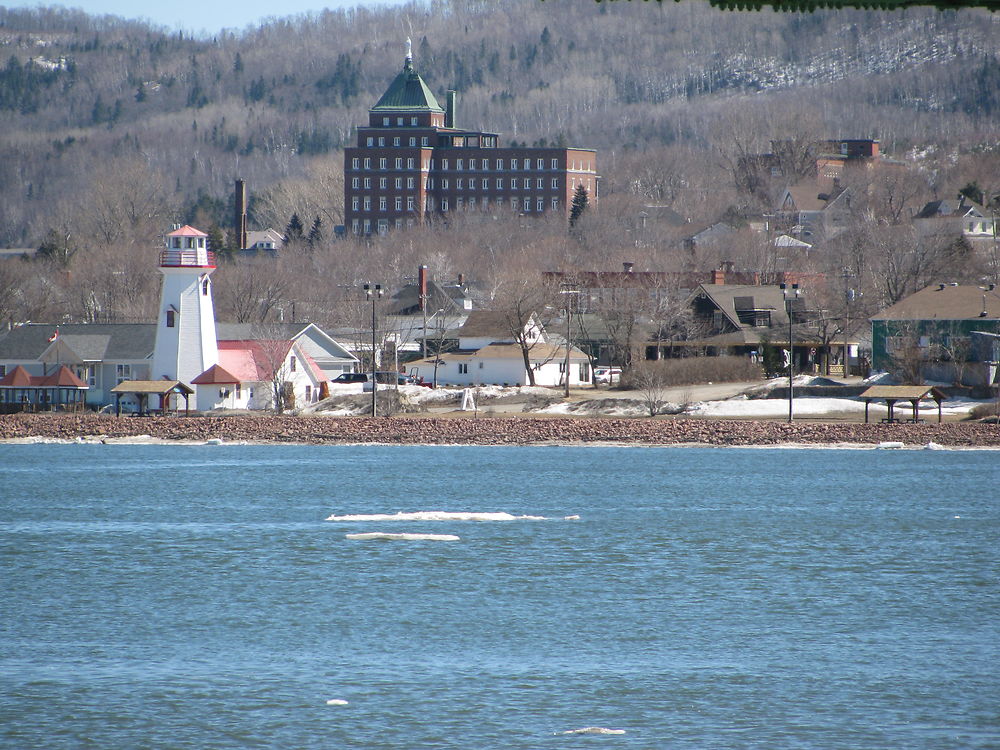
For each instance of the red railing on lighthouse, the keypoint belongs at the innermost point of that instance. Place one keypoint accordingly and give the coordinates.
(188, 258)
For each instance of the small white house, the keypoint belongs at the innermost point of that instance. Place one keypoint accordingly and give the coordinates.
(249, 371)
(503, 364)
(489, 355)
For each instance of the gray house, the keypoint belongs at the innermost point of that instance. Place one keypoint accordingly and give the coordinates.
(102, 355)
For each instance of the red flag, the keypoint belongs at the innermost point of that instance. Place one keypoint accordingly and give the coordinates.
(55, 335)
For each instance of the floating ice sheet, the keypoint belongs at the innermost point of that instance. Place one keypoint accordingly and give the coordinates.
(381, 535)
(435, 515)
(594, 730)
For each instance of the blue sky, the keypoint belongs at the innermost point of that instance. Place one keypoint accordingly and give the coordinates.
(202, 15)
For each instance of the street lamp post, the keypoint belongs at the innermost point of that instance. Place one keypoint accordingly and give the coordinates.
(373, 292)
(849, 298)
(790, 293)
(568, 334)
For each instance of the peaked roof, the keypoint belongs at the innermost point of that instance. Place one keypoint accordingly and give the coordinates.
(92, 342)
(152, 386)
(448, 298)
(187, 231)
(16, 378)
(960, 207)
(946, 302)
(407, 93)
(215, 375)
(482, 323)
(730, 299)
(255, 361)
(61, 378)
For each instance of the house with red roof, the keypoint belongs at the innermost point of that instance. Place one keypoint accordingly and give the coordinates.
(265, 374)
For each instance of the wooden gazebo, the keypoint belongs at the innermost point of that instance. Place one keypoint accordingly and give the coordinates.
(143, 389)
(912, 393)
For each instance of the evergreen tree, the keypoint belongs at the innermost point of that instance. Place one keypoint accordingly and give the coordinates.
(294, 230)
(579, 205)
(216, 240)
(315, 233)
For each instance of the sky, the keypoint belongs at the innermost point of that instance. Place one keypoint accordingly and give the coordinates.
(198, 16)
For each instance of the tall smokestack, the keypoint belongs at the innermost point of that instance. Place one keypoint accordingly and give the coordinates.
(449, 112)
(240, 215)
(422, 285)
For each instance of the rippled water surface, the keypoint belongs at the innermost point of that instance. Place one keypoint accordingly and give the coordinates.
(197, 597)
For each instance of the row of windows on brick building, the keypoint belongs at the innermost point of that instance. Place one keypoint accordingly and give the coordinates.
(358, 163)
(366, 183)
(523, 204)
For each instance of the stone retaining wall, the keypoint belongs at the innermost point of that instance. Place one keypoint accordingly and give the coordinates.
(492, 431)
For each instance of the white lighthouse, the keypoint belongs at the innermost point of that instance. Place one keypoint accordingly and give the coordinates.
(185, 331)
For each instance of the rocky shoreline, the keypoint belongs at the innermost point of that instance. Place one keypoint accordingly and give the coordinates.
(491, 431)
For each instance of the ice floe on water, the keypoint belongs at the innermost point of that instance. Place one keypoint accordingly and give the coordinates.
(436, 515)
(381, 535)
(594, 730)
(337, 702)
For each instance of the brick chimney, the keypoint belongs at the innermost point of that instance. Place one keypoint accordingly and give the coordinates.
(422, 285)
(240, 216)
(718, 276)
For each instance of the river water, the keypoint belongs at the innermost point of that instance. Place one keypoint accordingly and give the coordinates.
(196, 597)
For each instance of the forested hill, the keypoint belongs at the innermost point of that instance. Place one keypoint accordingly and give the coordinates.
(89, 100)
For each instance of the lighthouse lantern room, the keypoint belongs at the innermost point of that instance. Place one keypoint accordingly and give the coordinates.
(186, 343)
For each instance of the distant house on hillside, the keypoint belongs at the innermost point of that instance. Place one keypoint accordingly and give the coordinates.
(960, 216)
(813, 211)
(265, 239)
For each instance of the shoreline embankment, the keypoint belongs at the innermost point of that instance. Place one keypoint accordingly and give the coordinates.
(320, 430)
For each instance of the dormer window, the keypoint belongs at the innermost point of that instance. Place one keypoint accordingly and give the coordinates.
(385, 122)
(399, 121)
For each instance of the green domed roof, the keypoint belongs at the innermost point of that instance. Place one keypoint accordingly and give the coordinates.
(407, 93)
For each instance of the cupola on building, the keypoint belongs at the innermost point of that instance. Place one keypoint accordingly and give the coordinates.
(413, 162)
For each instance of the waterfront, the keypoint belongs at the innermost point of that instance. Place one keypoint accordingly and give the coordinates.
(195, 596)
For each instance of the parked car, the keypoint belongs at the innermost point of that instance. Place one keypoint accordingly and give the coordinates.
(350, 377)
(387, 378)
(607, 375)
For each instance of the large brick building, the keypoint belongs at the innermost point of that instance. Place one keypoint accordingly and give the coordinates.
(413, 163)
